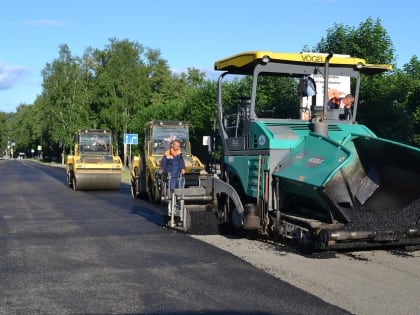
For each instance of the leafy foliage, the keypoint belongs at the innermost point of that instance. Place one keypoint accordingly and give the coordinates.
(387, 104)
(124, 85)
(369, 41)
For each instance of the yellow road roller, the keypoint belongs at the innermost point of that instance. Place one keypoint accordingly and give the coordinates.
(94, 165)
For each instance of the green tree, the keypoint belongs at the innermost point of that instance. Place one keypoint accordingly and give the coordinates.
(122, 87)
(412, 90)
(66, 107)
(383, 107)
(369, 41)
(176, 102)
(277, 97)
(160, 78)
(200, 111)
(20, 125)
(3, 132)
(386, 103)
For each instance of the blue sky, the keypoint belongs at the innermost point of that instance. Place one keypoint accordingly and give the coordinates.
(189, 33)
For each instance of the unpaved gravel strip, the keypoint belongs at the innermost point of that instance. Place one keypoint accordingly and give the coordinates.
(368, 282)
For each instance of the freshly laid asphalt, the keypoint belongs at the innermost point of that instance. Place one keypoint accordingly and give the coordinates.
(100, 252)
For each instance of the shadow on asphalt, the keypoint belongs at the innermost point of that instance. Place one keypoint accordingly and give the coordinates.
(211, 313)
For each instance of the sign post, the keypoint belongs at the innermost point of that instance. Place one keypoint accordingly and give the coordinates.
(39, 148)
(130, 138)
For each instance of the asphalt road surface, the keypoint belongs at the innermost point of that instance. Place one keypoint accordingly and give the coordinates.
(67, 252)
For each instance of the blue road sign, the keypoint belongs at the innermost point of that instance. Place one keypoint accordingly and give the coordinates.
(131, 138)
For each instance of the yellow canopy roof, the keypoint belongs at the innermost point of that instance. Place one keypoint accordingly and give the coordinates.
(245, 62)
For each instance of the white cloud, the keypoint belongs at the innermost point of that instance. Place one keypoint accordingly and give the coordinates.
(11, 75)
(43, 22)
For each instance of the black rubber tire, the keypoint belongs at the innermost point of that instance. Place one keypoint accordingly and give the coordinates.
(74, 183)
(156, 194)
(69, 180)
(133, 189)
